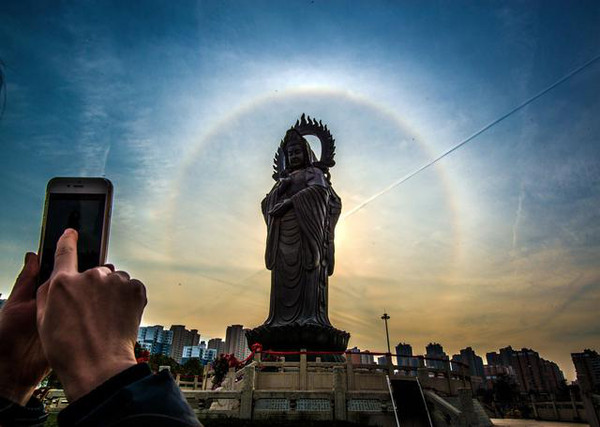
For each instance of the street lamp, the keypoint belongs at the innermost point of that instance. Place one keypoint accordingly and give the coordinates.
(385, 318)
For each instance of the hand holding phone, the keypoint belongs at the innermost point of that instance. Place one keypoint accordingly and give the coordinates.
(23, 363)
(83, 204)
(87, 322)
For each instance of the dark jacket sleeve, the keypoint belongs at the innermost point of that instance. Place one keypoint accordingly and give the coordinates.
(135, 397)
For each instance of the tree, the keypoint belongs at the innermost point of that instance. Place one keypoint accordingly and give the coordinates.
(157, 360)
(506, 392)
(192, 367)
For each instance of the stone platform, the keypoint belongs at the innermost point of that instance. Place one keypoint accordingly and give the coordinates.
(345, 391)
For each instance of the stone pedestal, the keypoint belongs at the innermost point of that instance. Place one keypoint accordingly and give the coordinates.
(296, 337)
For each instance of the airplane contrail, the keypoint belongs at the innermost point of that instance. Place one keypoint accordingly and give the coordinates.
(470, 138)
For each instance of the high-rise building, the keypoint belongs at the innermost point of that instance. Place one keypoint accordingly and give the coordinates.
(236, 343)
(587, 366)
(181, 338)
(505, 356)
(155, 339)
(534, 373)
(404, 356)
(201, 352)
(436, 351)
(475, 363)
(217, 344)
(492, 358)
(455, 363)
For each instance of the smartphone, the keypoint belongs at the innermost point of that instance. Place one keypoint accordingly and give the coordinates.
(83, 204)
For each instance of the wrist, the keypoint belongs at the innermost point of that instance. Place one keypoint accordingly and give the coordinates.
(79, 382)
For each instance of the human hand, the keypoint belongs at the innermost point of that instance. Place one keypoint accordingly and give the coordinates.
(22, 361)
(88, 321)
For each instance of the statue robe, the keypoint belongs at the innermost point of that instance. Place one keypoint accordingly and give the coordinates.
(300, 251)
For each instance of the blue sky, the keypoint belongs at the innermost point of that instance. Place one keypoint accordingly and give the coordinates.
(182, 106)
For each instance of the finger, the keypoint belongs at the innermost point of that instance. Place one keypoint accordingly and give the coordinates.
(125, 275)
(65, 258)
(105, 270)
(24, 288)
(142, 289)
(111, 267)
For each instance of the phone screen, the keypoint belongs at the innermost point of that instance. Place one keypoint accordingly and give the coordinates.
(82, 212)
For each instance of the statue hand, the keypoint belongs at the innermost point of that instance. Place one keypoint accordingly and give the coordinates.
(280, 208)
(284, 183)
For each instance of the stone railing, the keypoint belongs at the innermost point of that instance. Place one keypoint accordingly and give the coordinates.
(317, 389)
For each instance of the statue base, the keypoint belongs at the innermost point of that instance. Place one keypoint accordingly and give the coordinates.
(295, 337)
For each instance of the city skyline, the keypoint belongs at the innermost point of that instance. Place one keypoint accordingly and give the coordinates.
(404, 354)
(183, 107)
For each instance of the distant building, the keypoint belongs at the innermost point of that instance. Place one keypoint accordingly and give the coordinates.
(382, 360)
(181, 338)
(535, 374)
(491, 372)
(492, 358)
(587, 366)
(354, 355)
(404, 355)
(217, 344)
(367, 359)
(201, 352)
(236, 343)
(456, 363)
(474, 362)
(436, 351)
(505, 356)
(155, 339)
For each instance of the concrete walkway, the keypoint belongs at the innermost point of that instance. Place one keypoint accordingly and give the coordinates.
(510, 422)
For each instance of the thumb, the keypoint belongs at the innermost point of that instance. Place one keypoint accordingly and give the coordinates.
(24, 288)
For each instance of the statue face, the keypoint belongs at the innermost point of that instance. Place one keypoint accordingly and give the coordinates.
(295, 155)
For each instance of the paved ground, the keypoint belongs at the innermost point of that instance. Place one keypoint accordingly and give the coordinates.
(509, 422)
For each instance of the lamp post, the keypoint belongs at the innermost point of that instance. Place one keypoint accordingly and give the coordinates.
(385, 318)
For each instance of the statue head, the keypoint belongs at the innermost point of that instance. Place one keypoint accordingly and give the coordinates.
(297, 151)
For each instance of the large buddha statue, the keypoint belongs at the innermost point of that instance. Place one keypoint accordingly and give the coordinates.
(301, 212)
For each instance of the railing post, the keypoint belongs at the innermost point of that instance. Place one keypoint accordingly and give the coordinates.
(556, 413)
(423, 373)
(303, 370)
(246, 394)
(465, 397)
(449, 376)
(390, 364)
(533, 406)
(339, 394)
(350, 372)
(573, 404)
(229, 379)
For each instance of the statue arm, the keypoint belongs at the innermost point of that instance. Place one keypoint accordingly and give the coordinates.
(281, 207)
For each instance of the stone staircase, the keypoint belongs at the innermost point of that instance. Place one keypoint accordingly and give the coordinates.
(451, 411)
